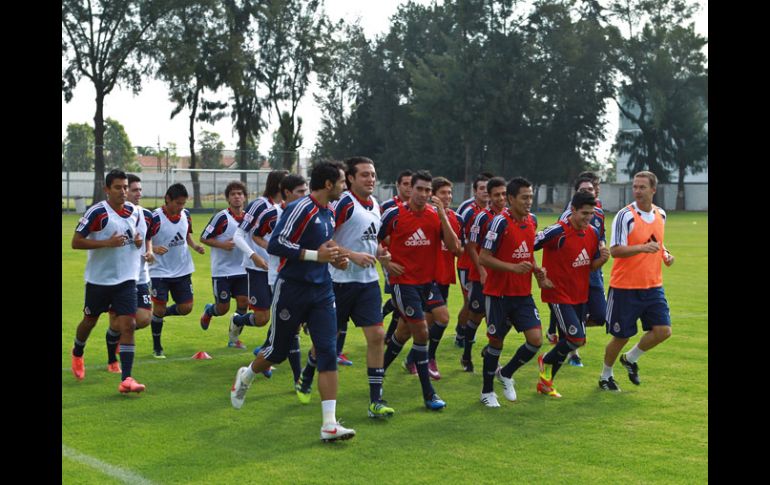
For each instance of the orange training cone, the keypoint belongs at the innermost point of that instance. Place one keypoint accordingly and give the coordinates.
(201, 355)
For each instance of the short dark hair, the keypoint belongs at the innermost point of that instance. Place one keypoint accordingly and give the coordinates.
(176, 190)
(325, 171)
(481, 177)
(236, 185)
(133, 178)
(582, 198)
(515, 184)
(422, 175)
(591, 175)
(581, 180)
(439, 182)
(272, 186)
(112, 175)
(291, 182)
(402, 174)
(495, 182)
(351, 164)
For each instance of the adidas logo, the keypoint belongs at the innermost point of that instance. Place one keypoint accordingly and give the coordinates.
(522, 252)
(582, 259)
(370, 234)
(127, 237)
(177, 241)
(418, 239)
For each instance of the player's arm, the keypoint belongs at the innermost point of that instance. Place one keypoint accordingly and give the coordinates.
(389, 221)
(490, 261)
(601, 256)
(447, 233)
(619, 247)
(281, 244)
(472, 244)
(190, 242)
(81, 242)
(216, 226)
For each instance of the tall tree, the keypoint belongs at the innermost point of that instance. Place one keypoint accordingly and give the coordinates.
(103, 41)
(291, 47)
(79, 147)
(118, 151)
(191, 44)
(210, 149)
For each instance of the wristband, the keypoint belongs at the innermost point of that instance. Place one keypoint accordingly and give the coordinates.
(311, 255)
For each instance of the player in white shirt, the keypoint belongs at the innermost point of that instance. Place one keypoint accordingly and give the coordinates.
(143, 302)
(171, 233)
(228, 275)
(108, 230)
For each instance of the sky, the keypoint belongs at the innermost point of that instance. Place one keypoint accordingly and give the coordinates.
(146, 117)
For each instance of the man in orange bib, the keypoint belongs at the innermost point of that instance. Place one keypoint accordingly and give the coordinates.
(636, 281)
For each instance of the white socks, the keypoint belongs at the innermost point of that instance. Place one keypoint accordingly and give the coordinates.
(329, 409)
(634, 354)
(606, 371)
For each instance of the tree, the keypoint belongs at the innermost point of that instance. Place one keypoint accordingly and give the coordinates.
(210, 149)
(660, 64)
(118, 151)
(191, 46)
(104, 43)
(79, 147)
(291, 41)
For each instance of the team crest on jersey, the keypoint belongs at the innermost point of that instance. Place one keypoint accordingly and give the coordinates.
(209, 228)
(597, 223)
(572, 330)
(284, 315)
(87, 311)
(247, 217)
(222, 295)
(537, 314)
(475, 304)
(616, 327)
(154, 292)
(491, 329)
(491, 236)
(253, 300)
(409, 311)
(83, 220)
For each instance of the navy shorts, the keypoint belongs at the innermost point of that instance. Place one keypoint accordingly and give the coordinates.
(596, 309)
(569, 319)
(119, 299)
(226, 287)
(143, 299)
(260, 295)
(477, 300)
(360, 302)
(413, 300)
(296, 302)
(462, 277)
(444, 289)
(625, 307)
(504, 311)
(181, 289)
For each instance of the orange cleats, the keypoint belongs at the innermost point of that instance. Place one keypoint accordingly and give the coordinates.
(114, 368)
(545, 379)
(547, 389)
(78, 367)
(130, 385)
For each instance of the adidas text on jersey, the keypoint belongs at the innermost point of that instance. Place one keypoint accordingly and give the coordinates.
(582, 259)
(418, 239)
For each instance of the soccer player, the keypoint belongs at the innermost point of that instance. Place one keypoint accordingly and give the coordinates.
(467, 213)
(293, 187)
(108, 231)
(596, 308)
(228, 276)
(143, 302)
(477, 275)
(171, 233)
(572, 250)
(303, 292)
(415, 230)
(404, 188)
(255, 259)
(357, 288)
(508, 255)
(636, 281)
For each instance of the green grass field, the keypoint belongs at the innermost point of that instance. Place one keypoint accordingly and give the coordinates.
(184, 430)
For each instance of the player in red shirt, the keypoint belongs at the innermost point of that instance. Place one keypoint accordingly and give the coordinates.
(571, 250)
(415, 232)
(508, 255)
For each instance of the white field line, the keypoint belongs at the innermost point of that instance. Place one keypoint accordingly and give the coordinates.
(121, 474)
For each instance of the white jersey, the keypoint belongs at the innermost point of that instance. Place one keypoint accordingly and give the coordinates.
(273, 261)
(356, 229)
(252, 219)
(178, 260)
(222, 227)
(111, 266)
(144, 270)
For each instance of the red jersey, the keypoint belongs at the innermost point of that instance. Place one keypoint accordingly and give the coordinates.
(478, 233)
(445, 269)
(467, 216)
(510, 241)
(567, 257)
(415, 242)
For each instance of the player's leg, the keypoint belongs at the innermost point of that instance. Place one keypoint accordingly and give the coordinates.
(97, 301)
(160, 290)
(476, 312)
(181, 290)
(497, 329)
(401, 334)
(124, 307)
(621, 323)
(112, 337)
(260, 299)
(522, 311)
(656, 322)
(462, 315)
(221, 304)
(143, 306)
(437, 309)
(570, 322)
